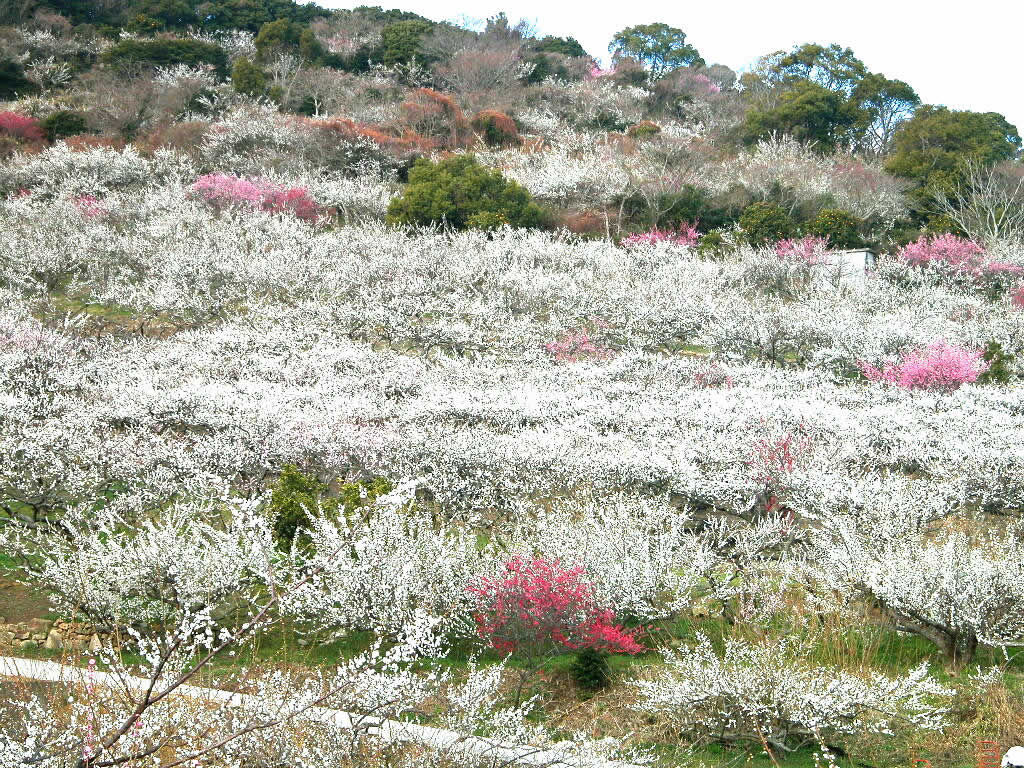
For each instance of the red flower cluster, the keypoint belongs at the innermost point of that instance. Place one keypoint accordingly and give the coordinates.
(539, 605)
(222, 189)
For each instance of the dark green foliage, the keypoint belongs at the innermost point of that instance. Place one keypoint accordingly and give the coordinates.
(311, 49)
(606, 120)
(832, 67)
(933, 148)
(280, 36)
(248, 78)
(63, 123)
(590, 670)
(293, 497)
(765, 223)
(377, 14)
(458, 188)
(841, 228)
(149, 16)
(567, 46)
(658, 47)
(886, 104)
(401, 42)
(667, 210)
(167, 53)
(13, 81)
(808, 112)
(1000, 364)
(253, 14)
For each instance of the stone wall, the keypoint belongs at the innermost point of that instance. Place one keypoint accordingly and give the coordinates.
(54, 635)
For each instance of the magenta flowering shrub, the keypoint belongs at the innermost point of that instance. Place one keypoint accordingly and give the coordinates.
(940, 367)
(576, 346)
(808, 249)
(538, 605)
(963, 258)
(222, 190)
(686, 234)
(943, 249)
(20, 127)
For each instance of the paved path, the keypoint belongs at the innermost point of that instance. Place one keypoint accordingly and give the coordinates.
(395, 731)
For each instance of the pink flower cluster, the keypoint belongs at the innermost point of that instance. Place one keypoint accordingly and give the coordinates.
(808, 249)
(943, 249)
(596, 71)
(940, 367)
(698, 83)
(575, 347)
(89, 206)
(773, 460)
(712, 376)
(686, 234)
(1017, 297)
(965, 257)
(222, 189)
(537, 604)
(20, 126)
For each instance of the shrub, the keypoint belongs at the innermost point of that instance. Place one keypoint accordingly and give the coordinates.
(712, 245)
(13, 82)
(764, 223)
(590, 670)
(221, 189)
(248, 78)
(498, 129)
(940, 367)
(686, 235)
(353, 496)
(643, 129)
(64, 123)
(999, 364)
(839, 227)
(20, 127)
(292, 498)
(437, 116)
(167, 53)
(808, 249)
(672, 209)
(537, 606)
(946, 249)
(458, 188)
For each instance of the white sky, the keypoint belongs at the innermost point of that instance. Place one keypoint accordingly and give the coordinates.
(964, 55)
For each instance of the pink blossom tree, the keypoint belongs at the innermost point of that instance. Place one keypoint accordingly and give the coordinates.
(576, 346)
(808, 249)
(945, 249)
(686, 234)
(222, 190)
(940, 367)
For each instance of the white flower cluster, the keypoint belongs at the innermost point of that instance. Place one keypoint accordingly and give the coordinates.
(766, 695)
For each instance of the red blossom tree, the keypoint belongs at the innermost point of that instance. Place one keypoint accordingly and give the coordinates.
(538, 607)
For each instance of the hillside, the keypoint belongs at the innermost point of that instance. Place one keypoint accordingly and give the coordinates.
(351, 361)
